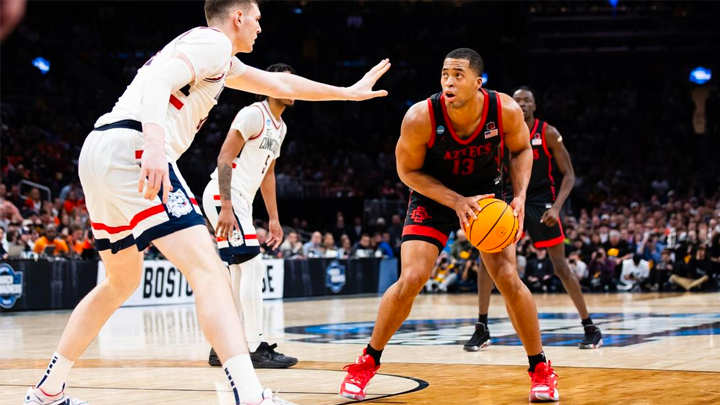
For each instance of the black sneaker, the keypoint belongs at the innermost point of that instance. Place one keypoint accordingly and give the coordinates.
(214, 360)
(266, 357)
(479, 340)
(592, 339)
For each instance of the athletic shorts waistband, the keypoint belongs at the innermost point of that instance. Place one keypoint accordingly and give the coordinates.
(126, 124)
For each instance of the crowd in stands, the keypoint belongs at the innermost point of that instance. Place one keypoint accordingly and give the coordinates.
(666, 244)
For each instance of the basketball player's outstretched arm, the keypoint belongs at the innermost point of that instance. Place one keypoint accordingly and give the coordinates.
(410, 157)
(231, 147)
(280, 85)
(517, 140)
(267, 188)
(564, 164)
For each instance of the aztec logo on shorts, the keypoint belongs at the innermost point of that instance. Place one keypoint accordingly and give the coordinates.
(558, 329)
(178, 204)
(419, 214)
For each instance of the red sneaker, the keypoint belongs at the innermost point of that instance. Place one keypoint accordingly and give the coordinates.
(354, 386)
(544, 384)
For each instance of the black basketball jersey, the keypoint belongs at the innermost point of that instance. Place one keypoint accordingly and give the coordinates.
(542, 183)
(472, 165)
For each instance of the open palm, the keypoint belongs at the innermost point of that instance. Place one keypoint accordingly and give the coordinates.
(363, 89)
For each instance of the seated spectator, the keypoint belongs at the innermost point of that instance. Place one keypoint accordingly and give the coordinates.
(650, 249)
(4, 245)
(362, 248)
(579, 268)
(602, 271)
(10, 211)
(696, 274)
(74, 239)
(314, 248)
(539, 275)
(33, 203)
(382, 247)
(444, 275)
(72, 201)
(50, 244)
(292, 248)
(345, 247)
(89, 250)
(331, 251)
(659, 279)
(634, 272)
(616, 248)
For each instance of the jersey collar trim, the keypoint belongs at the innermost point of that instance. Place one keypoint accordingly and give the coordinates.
(479, 127)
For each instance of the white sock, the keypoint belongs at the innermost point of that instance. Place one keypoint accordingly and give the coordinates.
(251, 300)
(243, 380)
(54, 379)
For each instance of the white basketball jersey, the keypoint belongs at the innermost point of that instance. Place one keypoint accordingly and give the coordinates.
(263, 138)
(210, 53)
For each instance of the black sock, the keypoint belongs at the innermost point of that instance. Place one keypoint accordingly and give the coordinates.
(535, 360)
(482, 318)
(587, 321)
(375, 354)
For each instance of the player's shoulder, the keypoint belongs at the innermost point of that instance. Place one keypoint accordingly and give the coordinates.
(418, 113)
(206, 36)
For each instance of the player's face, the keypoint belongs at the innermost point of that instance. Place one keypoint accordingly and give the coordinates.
(459, 83)
(526, 100)
(248, 27)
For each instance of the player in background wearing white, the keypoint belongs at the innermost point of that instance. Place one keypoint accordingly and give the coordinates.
(246, 163)
(135, 194)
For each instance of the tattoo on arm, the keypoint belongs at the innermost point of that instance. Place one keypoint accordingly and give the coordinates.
(224, 181)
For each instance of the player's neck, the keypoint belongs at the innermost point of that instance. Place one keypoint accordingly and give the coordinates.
(530, 121)
(227, 30)
(276, 108)
(468, 114)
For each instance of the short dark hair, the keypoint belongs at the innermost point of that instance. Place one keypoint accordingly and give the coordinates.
(277, 67)
(476, 62)
(216, 8)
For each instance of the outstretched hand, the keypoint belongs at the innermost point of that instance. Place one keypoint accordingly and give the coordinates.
(363, 89)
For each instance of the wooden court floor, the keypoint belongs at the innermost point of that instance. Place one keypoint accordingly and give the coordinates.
(658, 349)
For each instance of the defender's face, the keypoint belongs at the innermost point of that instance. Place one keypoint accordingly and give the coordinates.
(248, 24)
(459, 83)
(526, 100)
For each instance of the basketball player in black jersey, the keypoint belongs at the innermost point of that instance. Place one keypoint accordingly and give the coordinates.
(449, 154)
(542, 221)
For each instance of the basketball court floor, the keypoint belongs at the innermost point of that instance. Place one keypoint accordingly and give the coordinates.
(659, 349)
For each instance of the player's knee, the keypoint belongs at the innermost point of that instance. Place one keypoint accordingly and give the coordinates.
(411, 282)
(506, 277)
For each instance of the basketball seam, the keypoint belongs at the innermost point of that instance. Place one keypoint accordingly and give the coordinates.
(473, 222)
(510, 234)
(493, 227)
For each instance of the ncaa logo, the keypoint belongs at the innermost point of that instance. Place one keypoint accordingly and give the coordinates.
(440, 130)
(335, 278)
(11, 286)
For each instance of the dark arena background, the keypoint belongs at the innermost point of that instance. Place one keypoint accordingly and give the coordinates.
(632, 87)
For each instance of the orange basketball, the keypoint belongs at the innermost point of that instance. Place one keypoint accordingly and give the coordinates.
(495, 227)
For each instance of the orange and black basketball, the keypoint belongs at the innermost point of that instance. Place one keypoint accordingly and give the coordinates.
(495, 227)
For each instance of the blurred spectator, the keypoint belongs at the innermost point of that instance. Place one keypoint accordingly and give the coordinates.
(579, 268)
(357, 230)
(345, 247)
(602, 271)
(697, 272)
(292, 248)
(660, 273)
(539, 275)
(9, 211)
(75, 240)
(362, 248)
(33, 202)
(616, 248)
(331, 251)
(4, 245)
(634, 272)
(50, 244)
(382, 246)
(443, 276)
(314, 248)
(650, 249)
(340, 227)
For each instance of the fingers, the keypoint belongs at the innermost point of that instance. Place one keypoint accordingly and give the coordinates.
(383, 63)
(484, 196)
(141, 182)
(166, 187)
(150, 191)
(381, 71)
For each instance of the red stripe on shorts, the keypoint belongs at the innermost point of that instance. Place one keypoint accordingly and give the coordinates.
(133, 222)
(426, 231)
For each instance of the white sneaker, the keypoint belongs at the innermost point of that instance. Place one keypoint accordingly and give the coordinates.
(38, 397)
(268, 399)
